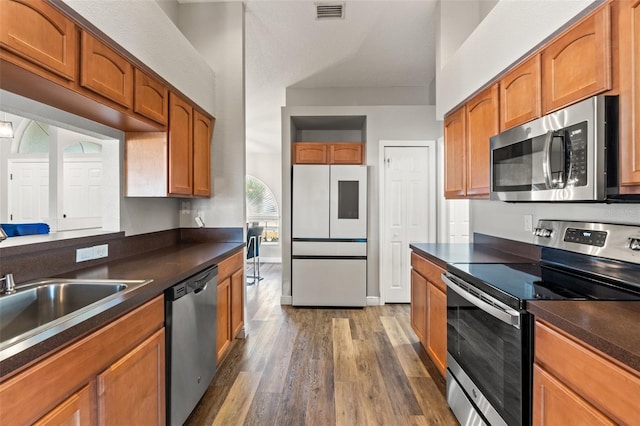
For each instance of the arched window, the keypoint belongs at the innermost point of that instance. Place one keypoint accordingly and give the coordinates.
(262, 209)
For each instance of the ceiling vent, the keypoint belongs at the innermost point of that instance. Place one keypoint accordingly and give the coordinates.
(329, 11)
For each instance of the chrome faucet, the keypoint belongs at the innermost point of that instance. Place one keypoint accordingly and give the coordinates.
(9, 284)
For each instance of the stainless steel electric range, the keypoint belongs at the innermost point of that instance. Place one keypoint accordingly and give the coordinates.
(489, 331)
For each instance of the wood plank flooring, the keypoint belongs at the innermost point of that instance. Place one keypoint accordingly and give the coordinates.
(311, 366)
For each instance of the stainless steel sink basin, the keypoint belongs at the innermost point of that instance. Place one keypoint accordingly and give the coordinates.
(40, 309)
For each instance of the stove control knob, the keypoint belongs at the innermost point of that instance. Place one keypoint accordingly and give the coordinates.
(634, 244)
(542, 232)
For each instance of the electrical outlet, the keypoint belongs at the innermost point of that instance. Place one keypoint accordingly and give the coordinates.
(100, 251)
(84, 254)
(528, 222)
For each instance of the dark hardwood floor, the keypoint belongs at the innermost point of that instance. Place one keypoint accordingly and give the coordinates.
(308, 366)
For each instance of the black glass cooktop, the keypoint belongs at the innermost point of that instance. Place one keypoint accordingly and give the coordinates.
(514, 284)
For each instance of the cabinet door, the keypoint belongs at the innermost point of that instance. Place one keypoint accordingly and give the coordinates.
(577, 64)
(132, 390)
(105, 72)
(77, 410)
(419, 306)
(520, 94)
(454, 154)
(151, 98)
(237, 302)
(224, 328)
(202, 130)
(482, 123)
(346, 153)
(437, 326)
(38, 32)
(629, 30)
(310, 153)
(555, 404)
(180, 146)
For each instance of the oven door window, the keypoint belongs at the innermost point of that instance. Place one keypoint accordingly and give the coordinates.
(490, 352)
(519, 166)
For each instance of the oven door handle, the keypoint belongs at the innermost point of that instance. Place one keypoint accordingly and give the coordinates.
(506, 315)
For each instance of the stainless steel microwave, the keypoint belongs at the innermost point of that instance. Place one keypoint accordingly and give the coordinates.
(568, 155)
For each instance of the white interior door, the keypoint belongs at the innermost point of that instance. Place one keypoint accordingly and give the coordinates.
(408, 214)
(82, 195)
(28, 192)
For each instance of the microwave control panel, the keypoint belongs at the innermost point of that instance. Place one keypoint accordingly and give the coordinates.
(576, 160)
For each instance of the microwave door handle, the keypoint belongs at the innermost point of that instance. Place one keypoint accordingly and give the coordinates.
(546, 165)
(511, 317)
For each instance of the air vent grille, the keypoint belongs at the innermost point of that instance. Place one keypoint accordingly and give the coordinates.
(329, 10)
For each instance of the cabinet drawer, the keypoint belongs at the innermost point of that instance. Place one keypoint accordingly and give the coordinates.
(609, 387)
(430, 271)
(230, 265)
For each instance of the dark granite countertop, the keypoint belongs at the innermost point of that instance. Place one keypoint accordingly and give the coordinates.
(166, 267)
(610, 327)
(443, 253)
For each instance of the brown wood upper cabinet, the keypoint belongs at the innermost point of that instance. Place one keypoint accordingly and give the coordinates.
(328, 153)
(578, 63)
(455, 153)
(346, 153)
(202, 131)
(36, 31)
(629, 50)
(520, 94)
(105, 72)
(174, 163)
(180, 146)
(151, 98)
(466, 145)
(482, 123)
(189, 149)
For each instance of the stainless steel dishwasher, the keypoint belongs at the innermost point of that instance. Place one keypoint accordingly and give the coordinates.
(190, 312)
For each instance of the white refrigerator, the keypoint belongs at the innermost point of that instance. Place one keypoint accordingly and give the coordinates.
(329, 235)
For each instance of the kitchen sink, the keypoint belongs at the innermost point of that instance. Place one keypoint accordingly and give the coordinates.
(41, 309)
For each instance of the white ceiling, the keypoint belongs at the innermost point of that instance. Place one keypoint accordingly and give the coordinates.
(378, 44)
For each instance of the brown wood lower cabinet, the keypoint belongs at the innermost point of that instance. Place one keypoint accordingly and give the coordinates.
(78, 409)
(114, 374)
(230, 301)
(574, 383)
(131, 391)
(223, 338)
(429, 309)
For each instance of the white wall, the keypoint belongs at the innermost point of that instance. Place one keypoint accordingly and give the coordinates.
(216, 30)
(506, 220)
(143, 29)
(510, 30)
(383, 122)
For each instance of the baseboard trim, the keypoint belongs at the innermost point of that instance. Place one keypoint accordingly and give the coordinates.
(286, 300)
(373, 300)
